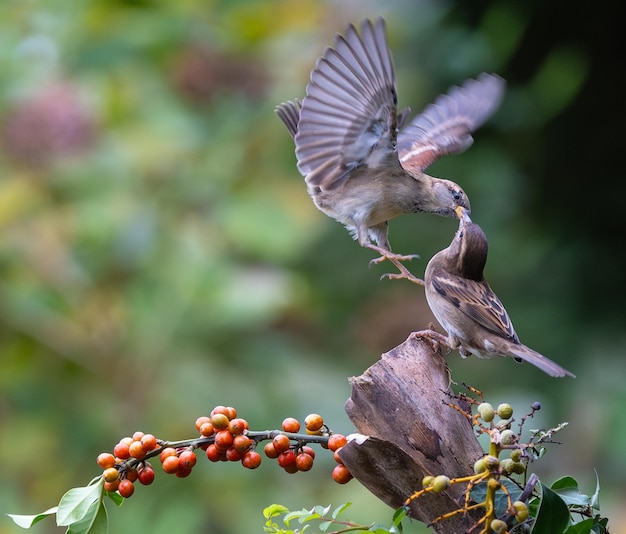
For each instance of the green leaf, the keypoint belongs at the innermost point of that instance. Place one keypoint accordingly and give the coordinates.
(96, 521)
(324, 526)
(552, 515)
(340, 509)
(115, 497)
(567, 489)
(27, 521)
(76, 503)
(399, 515)
(583, 527)
(273, 510)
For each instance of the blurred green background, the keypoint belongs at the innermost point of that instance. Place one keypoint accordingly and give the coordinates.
(159, 254)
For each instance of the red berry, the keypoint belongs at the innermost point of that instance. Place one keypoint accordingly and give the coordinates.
(146, 475)
(233, 455)
(341, 475)
(171, 464)
(187, 459)
(290, 424)
(304, 462)
(149, 442)
(281, 442)
(131, 474)
(313, 422)
(223, 439)
(126, 488)
(251, 460)
(106, 460)
(121, 450)
(136, 450)
(110, 474)
(309, 450)
(291, 469)
(183, 472)
(287, 458)
(270, 450)
(237, 425)
(213, 453)
(336, 441)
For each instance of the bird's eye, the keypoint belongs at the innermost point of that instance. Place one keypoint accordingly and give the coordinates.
(457, 195)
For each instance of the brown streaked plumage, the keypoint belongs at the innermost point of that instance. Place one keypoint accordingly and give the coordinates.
(360, 167)
(467, 308)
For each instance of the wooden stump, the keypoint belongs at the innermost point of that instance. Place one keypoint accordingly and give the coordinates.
(399, 405)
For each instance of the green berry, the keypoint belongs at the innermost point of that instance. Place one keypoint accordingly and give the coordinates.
(505, 411)
(499, 526)
(516, 455)
(441, 483)
(518, 468)
(427, 481)
(521, 511)
(506, 466)
(491, 462)
(480, 466)
(507, 437)
(486, 412)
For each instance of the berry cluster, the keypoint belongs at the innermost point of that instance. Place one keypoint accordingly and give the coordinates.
(223, 437)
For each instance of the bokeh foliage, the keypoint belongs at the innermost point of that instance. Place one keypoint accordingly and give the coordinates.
(159, 253)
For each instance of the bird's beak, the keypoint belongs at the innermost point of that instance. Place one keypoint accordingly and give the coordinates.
(461, 213)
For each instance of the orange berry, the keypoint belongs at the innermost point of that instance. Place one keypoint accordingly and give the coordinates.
(251, 460)
(206, 429)
(112, 486)
(126, 488)
(137, 436)
(287, 458)
(219, 421)
(149, 442)
(270, 451)
(219, 409)
(223, 439)
(201, 420)
(281, 442)
(341, 474)
(171, 464)
(337, 457)
(304, 462)
(313, 422)
(241, 443)
(136, 450)
(165, 453)
(106, 460)
(110, 474)
(336, 441)
(231, 412)
(290, 424)
(187, 459)
(146, 475)
(237, 425)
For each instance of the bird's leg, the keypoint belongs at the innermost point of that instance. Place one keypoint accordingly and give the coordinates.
(436, 340)
(397, 260)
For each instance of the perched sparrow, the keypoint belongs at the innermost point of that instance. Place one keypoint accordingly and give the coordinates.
(360, 168)
(467, 308)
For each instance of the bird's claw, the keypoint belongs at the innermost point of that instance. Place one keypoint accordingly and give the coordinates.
(436, 340)
(397, 260)
(394, 257)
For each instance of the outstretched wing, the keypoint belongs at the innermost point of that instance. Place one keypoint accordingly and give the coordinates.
(478, 301)
(349, 113)
(289, 113)
(445, 126)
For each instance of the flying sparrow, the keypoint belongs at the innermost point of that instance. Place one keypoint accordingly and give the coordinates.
(467, 308)
(362, 167)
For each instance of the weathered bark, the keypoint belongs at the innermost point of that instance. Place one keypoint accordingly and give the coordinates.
(399, 403)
